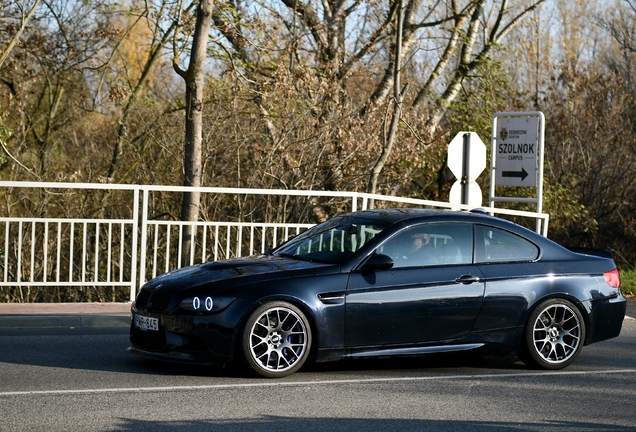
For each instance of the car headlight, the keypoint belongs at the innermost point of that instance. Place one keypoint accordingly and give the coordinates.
(197, 304)
(205, 304)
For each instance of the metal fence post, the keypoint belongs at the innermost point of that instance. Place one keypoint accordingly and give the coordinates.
(144, 238)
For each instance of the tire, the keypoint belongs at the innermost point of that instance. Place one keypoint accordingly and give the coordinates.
(276, 340)
(554, 335)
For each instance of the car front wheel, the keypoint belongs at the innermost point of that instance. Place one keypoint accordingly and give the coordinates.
(276, 340)
(554, 335)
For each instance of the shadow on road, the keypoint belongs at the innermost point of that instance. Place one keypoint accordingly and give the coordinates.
(106, 350)
(269, 423)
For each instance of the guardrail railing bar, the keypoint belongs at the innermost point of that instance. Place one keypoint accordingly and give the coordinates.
(45, 252)
(6, 249)
(144, 235)
(32, 275)
(228, 231)
(59, 251)
(251, 240)
(204, 244)
(179, 246)
(71, 251)
(84, 256)
(19, 252)
(167, 249)
(155, 250)
(134, 247)
(96, 263)
(109, 253)
(239, 241)
(216, 243)
(122, 250)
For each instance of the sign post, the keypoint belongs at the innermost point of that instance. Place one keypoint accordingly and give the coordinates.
(517, 155)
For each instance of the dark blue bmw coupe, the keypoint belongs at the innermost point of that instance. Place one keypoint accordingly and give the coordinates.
(385, 283)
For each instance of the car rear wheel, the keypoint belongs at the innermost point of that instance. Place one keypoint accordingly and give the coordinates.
(276, 340)
(554, 335)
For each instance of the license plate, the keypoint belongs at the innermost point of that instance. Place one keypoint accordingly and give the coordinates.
(146, 323)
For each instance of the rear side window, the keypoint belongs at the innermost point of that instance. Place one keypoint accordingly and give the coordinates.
(496, 245)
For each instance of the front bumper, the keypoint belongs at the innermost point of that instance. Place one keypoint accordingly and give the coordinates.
(202, 339)
(173, 356)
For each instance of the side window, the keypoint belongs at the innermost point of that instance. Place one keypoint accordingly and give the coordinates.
(431, 244)
(496, 245)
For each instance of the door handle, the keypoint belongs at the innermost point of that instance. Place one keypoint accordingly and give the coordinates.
(467, 279)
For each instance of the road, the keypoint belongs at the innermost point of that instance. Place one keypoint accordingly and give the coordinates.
(85, 380)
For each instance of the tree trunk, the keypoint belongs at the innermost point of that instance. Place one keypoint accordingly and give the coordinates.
(389, 138)
(194, 78)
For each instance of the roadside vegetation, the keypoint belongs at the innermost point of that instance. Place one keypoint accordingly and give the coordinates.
(361, 96)
(628, 283)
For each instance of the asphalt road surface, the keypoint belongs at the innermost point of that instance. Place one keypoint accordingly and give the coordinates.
(85, 380)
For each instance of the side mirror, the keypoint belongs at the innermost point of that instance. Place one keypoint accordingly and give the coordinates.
(378, 262)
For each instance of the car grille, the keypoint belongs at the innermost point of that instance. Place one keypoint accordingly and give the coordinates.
(142, 299)
(159, 302)
(153, 301)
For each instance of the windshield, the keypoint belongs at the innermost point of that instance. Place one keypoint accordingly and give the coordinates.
(331, 242)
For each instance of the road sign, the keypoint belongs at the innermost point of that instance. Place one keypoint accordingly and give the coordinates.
(517, 147)
(476, 156)
(517, 155)
(466, 160)
(471, 195)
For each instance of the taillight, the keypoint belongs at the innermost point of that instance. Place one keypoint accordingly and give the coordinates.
(612, 278)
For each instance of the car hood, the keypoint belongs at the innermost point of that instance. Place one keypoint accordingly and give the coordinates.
(234, 272)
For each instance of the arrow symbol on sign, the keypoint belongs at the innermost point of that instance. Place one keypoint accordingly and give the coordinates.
(521, 174)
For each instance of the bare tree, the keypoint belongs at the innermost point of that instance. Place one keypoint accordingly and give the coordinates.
(314, 37)
(194, 78)
(26, 11)
(160, 38)
(44, 69)
(388, 137)
(472, 52)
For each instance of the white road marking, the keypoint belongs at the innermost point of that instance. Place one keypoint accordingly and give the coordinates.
(307, 383)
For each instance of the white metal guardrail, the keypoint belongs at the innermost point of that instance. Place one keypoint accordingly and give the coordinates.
(63, 251)
(112, 251)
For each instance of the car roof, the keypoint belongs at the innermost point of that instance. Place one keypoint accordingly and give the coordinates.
(402, 217)
(398, 215)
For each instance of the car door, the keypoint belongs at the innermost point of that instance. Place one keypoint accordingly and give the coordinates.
(513, 278)
(431, 296)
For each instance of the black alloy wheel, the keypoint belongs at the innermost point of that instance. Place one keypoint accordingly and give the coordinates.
(554, 335)
(276, 340)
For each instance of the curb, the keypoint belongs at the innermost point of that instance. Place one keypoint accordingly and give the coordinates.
(63, 321)
(64, 315)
